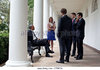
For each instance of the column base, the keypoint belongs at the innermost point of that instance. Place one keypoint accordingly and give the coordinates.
(17, 64)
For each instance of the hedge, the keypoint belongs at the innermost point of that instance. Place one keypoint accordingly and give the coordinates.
(4, 43)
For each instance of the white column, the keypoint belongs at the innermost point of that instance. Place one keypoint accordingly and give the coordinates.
(18, 34)
(51, 11)
(45, 17)
(38, 18)
(99, 5)
(55, 17)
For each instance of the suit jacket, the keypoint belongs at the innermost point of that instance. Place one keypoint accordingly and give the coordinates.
(30, 35)
(80, 28)
(64, 26)
(74, 25)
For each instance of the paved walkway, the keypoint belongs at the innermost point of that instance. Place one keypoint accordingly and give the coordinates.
(91, 59)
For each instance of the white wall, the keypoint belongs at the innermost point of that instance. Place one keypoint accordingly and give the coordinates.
(92, 29)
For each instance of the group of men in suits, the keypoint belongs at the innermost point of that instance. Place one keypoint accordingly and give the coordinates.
(70, 31)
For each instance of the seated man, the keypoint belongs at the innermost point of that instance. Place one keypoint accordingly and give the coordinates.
(38, 42)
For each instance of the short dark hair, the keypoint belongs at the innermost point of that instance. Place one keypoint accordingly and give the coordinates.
(63, 10)
(73, 13)
(30, 26)
(80, 14)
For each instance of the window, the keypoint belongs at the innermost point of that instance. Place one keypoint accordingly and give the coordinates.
(94, 5)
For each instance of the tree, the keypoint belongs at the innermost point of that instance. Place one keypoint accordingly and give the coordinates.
(5, 11)
(30, 3)
(30, 11)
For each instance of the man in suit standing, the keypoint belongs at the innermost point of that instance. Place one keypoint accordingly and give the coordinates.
(73, 33)
(80, 27)
(64, 35)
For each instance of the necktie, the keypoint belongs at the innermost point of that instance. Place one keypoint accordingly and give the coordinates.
(72, 20)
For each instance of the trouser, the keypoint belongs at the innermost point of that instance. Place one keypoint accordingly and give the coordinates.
(80, 47)
(42, 42)
(64, 44)
(74, 45)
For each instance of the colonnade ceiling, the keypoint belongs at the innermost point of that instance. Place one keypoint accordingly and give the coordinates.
(70, 5)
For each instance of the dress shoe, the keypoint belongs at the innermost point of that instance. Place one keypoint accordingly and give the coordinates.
(59, 61)
(48, 55)
(53, 51)
(79, 58)
(66, 60)
(50, 51)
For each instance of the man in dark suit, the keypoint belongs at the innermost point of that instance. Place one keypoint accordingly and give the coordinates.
(38, 42)
(73, 16)
(64, 36)
(80, 27)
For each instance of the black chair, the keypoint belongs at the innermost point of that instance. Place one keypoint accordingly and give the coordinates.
(31, 49)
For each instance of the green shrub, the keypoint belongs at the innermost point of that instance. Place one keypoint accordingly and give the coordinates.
(4, 43)
(3, 27)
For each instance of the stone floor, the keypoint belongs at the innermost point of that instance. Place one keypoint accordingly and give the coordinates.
(91, 59)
